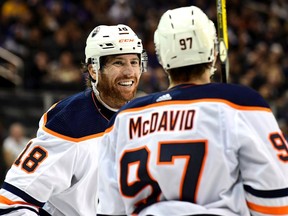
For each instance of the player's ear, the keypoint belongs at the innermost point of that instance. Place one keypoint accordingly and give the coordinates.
(91, 71)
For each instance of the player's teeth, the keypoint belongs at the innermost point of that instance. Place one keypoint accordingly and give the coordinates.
(126, 83)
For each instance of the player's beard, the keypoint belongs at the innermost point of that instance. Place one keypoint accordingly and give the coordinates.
(111, 93)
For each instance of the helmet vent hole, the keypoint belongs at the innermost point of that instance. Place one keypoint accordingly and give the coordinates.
(121, 49)
(209, 58)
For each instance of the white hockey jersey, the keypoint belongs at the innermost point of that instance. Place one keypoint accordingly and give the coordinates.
(213, 149)
(58, 169)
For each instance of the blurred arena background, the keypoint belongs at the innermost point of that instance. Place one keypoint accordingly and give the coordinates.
(42, 47)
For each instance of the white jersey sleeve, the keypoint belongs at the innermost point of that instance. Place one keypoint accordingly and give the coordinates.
(263, 159)
(40, 171)
(57, 171)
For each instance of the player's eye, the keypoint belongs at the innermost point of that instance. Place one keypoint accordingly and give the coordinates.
(135, 62)
(118, 63)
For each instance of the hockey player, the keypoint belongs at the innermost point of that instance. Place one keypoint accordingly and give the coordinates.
(199, 148)
(58, 169)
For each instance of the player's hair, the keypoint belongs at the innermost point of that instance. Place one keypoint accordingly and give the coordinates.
(186, 73)
(103, 60)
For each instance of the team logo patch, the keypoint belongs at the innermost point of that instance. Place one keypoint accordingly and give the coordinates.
(95, 32)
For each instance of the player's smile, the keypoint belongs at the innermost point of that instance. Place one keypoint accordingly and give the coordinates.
(126, 87)
(126, 83)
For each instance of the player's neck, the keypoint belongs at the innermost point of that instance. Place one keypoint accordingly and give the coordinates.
(198, 81)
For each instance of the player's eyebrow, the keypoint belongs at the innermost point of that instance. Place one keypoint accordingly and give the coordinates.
(122, 58)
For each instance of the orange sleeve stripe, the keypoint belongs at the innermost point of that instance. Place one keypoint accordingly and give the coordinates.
(173, 102)
(109, 129)
(67, 137)
(268, 210)
(7, 201)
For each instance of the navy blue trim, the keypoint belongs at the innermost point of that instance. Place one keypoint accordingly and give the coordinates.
(233, 93)
(267, 194)
(6, 211)
(42, 212)
(22, 194)
(78, 116)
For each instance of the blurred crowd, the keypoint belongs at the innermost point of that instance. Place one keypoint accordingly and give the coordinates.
(49, 37)
(11, 145)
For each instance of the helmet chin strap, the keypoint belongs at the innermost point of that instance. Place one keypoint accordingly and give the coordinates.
(94, 83)
(97, 94)
(213, 68)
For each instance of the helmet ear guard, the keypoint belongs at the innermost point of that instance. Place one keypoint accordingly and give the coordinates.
(185, 36)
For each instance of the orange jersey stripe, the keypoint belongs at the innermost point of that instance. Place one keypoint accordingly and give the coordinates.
(235, 106)
(109, 129)
(7, 201)
(173, 102)
(268, 210)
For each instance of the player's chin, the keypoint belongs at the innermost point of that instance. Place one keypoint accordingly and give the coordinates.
(128, 94)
